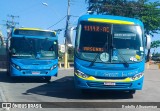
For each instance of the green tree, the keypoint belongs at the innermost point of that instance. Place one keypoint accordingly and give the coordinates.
(147, 12)
(157, 54)
(155, 44)
(71, 54)
(60, 55)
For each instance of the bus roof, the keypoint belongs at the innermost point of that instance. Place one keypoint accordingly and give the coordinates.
(110, 19)
(33, 32)
(36, 29)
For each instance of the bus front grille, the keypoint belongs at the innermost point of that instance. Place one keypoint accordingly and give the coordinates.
(32, 72)
(113, 78)
(102, 85)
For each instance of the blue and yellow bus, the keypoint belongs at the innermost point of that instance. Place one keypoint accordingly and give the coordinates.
(109, 53)
(32, 52)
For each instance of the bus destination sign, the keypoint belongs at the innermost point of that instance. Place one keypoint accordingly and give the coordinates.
(96, 28)
(34, 33)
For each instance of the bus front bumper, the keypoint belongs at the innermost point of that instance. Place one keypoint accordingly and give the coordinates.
(28, 72)
(103, 84)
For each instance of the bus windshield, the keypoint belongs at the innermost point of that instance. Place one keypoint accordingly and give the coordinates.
(31, 48)
(114, 43)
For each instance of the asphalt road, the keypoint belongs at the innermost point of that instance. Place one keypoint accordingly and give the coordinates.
(61, 89)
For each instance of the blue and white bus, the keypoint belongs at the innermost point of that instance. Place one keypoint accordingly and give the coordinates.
(32, 52)
(109, 53)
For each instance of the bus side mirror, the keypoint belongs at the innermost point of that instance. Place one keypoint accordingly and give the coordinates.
(13, 51)
(148, 42)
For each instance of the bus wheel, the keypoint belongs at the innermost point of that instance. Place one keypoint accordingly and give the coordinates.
(47, 78)
(13, 79)
(132, 91)
(8, 71)
(85, 91)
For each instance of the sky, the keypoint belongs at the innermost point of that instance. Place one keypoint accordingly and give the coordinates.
(32, 13)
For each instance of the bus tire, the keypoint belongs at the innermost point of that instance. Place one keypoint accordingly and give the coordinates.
(47, 78)
(13, 79)
(132, 91)
(8, 71)
(85, 91)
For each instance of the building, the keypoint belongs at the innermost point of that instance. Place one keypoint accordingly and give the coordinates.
(61, 48)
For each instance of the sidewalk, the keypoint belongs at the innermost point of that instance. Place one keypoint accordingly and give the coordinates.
(152, 67)
(2, 97)
(71, 68)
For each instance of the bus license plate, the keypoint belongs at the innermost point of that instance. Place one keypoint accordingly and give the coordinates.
(109, 83)
(35, 72)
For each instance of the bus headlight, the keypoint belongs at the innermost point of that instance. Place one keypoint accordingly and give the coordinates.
(81, 74)
(16, 66)
(137, 76)
(53, 67)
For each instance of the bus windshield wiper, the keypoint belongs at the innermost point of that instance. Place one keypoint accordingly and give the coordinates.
(104, 47)
(91, 64)
(126, 64)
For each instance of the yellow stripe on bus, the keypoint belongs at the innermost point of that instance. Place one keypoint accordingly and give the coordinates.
(30, 29)
(109, 80)
(35, 29)
(110, 21)
(91, 78)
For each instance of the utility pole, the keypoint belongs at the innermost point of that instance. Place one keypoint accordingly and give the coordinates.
(11, 23)
(66, 44)
(1, 39)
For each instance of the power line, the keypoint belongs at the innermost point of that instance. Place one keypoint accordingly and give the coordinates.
(57, 22)
(11, 23)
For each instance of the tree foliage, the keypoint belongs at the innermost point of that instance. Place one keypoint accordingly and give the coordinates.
(71, 54)
(155, 44)
(147, 12)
